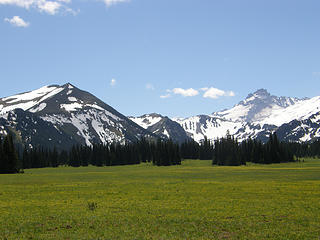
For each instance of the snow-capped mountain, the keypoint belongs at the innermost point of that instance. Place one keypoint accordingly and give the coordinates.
(147, 120)
(64, 115)
(257, 107)
(258, 115)
(211, 126)
(74, 114)
(303, 130)
(162, 126)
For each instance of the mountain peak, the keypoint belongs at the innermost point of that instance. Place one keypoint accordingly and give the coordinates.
(68, 85)
(257, 106)
(262, 92)
(153, 115)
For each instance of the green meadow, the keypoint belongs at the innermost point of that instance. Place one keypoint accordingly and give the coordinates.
(191, 201)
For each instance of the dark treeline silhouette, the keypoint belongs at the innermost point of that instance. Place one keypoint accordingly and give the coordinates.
(273, 151)
(192, 150)
(9, 161)
(228, 151)
(306, 149)
(160, 153)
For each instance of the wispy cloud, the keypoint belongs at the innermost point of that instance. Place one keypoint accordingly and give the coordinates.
(149, 86)
(49, 7)
(165, 96)
(215, 93)
(113, 82)
(19, 3)
(42, 5)
(53, 7)
(17, 22)
(113, 2)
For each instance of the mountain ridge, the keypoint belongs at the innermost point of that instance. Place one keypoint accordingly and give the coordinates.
(75, 116)
(74, 113)
(162, 126)
(256, 116)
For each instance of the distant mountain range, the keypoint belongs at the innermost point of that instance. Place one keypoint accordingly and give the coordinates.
(64, 115)
(256, 116)
(259, 114)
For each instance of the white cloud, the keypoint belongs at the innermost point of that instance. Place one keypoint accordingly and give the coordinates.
(49, 7)
(113, 82)
(52, 7)
(215, 93)
(19, 3)
(149, 86)
(113, 2)
(211, 92)
(17, 22)
(190, 92)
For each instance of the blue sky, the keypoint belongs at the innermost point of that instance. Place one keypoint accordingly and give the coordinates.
(173, 57)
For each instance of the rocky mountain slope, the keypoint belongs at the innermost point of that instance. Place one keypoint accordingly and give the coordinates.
(162, 126)
(65, 115)
(259, 114)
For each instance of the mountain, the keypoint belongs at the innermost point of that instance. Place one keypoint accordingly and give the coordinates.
(162, 126)
(211, 126)
(259, 114)
(302, 130)
(65, 115)
(257, 107)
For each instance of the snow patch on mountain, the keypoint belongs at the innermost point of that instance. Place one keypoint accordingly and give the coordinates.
(165, 132)
(28, 100)
(72, 99)
(25, 106)
(38, 108)
(100, 108)
(38, 93)
(146, 120)
(299, 111)
(71, 106)
(210, 126)
(98, 120)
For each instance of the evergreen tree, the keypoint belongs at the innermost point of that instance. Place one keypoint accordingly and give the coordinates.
(9, 160)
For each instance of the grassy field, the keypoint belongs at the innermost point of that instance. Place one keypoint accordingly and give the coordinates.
(192, 201)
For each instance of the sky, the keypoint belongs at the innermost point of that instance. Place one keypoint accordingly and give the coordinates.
(178, 58)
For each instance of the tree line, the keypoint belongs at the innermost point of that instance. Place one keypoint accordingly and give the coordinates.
(226, 151)
(160, 153)
(9, 160)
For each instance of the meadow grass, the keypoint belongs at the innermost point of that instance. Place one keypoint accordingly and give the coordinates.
(191, 201)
